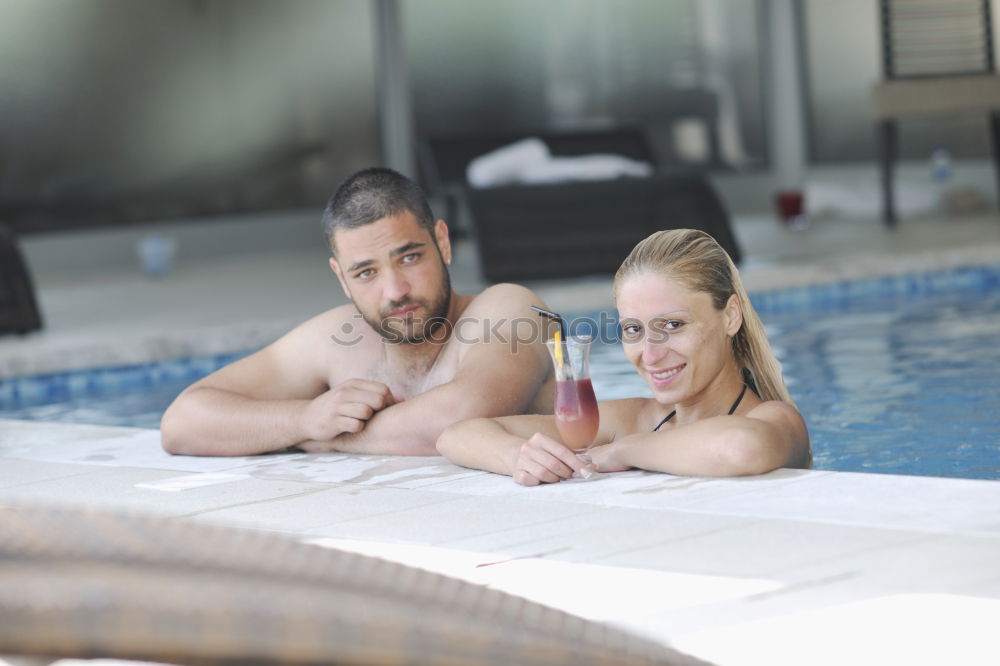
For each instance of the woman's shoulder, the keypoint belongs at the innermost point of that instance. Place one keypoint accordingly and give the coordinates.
(629, 415)
(779, 410)
(626, 405)
(785, 416)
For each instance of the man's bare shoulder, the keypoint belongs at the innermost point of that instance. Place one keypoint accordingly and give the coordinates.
(335, 345)
(330, 319)
(505, 298)
(342, 325)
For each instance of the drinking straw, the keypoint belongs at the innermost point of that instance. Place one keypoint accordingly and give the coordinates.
(560, 336)
(552, 315)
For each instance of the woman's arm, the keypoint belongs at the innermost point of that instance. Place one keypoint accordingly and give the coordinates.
(527, 447)
(489, 444)
(770, 436)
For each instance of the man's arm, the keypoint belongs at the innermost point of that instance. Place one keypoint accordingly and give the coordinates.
(269, 401)
(496, 377)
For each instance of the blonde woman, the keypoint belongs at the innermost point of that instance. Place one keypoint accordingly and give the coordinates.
(719, 406)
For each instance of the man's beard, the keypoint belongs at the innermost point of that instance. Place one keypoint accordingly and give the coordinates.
(413, 330)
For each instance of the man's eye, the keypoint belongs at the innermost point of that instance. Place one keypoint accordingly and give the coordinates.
(410, 258)
(365, 274)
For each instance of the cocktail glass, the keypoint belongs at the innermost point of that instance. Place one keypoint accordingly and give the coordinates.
(576, 411)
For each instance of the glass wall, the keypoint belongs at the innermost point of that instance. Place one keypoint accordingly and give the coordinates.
(122, 110)
(843, 62)
(523, 65)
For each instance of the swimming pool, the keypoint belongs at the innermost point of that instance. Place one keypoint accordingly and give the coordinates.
(895, 375)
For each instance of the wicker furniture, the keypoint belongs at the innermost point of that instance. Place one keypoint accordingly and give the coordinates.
(87, 583)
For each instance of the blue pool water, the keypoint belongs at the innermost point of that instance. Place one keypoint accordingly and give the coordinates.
(897, 375)
(134, 395)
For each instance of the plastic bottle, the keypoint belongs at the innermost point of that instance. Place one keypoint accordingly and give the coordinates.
(941, 173)
(941, 170)
(156, 254)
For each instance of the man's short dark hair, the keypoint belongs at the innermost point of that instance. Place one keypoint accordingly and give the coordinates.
(371, 194)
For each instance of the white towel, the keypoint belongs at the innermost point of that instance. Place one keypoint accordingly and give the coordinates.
(529, 161)
(584, 167)
(505, 165)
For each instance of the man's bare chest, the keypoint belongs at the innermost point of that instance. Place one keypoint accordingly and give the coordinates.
(405, 378)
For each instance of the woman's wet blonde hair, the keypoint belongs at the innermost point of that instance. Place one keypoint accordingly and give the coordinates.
(697, 261)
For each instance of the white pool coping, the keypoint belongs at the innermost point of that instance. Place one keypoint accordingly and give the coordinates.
(793, 567)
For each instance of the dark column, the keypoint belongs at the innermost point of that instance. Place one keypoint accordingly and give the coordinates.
(995, 139)
(18, 310)
(395, 106)
(888, 144)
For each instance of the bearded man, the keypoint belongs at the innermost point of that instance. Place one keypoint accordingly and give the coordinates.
(388, 372)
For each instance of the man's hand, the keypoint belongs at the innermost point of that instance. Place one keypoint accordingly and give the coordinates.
(345, 408)
(542, 459)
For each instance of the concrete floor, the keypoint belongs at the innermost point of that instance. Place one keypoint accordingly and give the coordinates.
(793, 567)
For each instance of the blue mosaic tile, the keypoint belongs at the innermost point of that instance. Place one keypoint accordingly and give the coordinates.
(978, 279)
(54, 387)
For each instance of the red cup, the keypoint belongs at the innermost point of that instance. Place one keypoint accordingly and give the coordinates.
(790, 206)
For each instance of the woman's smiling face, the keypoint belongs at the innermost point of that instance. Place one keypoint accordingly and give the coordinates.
(676, 338)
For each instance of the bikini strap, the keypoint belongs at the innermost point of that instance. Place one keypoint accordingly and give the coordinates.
(749, 381)
(738, 400)
(668, 417)
(731, 409)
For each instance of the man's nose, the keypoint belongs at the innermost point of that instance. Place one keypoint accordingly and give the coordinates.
(397, 286)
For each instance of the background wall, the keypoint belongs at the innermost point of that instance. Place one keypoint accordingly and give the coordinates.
(843, 62)
(521, 64)
(188, 116)
(117, 110)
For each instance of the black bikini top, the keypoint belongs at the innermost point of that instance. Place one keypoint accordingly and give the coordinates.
(731, 409)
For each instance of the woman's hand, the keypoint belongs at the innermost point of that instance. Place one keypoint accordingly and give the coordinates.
(607, 457)
(542, 459)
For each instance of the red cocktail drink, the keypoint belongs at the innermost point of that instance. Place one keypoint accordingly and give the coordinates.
(576, 413)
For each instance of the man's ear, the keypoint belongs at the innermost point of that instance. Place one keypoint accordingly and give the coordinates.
(443, 240)
(335, 267)
(734, 315)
